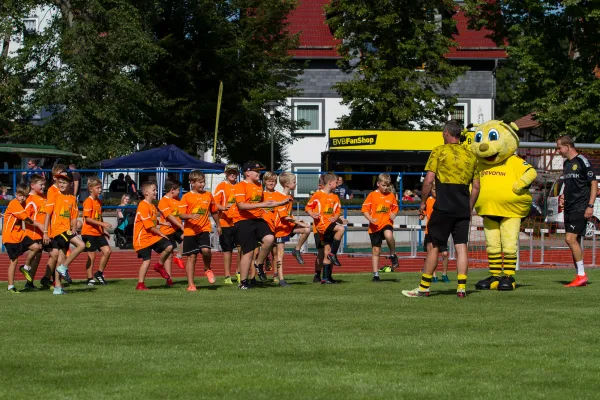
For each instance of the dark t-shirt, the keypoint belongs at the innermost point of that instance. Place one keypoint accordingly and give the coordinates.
(342, 191)
(77, 178)
(117, 186)
(578, 174)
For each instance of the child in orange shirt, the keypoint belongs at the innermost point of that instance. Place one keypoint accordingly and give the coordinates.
(318, 243)
(147, 237)
(64, 223)
(14, 239)
(380, 208)
(194, 209)
(36, 210)
(169, 221)
(326, 210)
(225, 200)
(94, 232)
(428, 245)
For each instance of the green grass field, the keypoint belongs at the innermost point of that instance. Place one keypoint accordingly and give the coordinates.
(355, 340)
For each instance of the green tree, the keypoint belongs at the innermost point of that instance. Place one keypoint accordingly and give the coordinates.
(554, 49)
(384, 44)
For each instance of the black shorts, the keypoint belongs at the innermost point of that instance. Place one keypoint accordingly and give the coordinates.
(249, 232)
(378, 237)
(575, 222)
(46, 247)
(442, 225)
(195, 244)
(158, 247)
(63, 241)
(14, 250)
(284, 239)
(327, 237)
(94, 243)
(175, 238)
(428, 240)
(227, 239)
(318, 243)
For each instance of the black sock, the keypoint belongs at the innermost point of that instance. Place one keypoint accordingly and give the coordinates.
(244, 282)
(335, 246)
(326, 271)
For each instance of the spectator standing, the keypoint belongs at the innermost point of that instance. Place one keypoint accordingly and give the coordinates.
(32, 168)
(76, 181)
(342, 190)
(131, 186)
(118, 185)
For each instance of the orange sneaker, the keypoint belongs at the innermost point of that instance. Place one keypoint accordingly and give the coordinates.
(578, 281)
(211, 276)
(191, 288)
(179, 262)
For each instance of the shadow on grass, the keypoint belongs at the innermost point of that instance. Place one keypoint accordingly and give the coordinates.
(87, 289)
(452, 292)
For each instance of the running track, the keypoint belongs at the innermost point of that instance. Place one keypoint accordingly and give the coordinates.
(124, 264)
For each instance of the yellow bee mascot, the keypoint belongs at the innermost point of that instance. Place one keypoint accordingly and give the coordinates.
(504, 198)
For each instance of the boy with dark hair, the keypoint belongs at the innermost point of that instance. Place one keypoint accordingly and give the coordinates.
(195, 207)
(147, 237)
(225, 201)
(326, 208)
(14, 239)
(169, 221)
(250, 227)
(94, 232)
(380, 208)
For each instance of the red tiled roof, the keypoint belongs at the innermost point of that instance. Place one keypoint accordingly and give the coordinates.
(316, 40)
(527, 122)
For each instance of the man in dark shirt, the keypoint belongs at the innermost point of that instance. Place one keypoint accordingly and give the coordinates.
(342, 190)
(76, 181)
(451, 166)
(578, 198)
(118, 185)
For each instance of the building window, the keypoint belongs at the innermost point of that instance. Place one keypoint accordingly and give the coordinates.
(307, 179)
(312, 114)
(30, 27)
(460, 113)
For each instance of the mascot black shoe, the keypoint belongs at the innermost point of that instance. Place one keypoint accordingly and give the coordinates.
(507, 283)
(488, 283)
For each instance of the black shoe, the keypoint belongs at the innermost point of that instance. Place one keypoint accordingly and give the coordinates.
(30, 286)
(91, 282)
(299, 259)
(334, 260)
(507, 283)
(328, 282)
(46, 283)
(394, 259)
(253, 282)
(99, 276)
(262, 275)
(376, 279)
(330, 279)
(317, 278)
(487, 283)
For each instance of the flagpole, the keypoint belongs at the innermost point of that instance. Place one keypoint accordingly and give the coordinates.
(216, 129)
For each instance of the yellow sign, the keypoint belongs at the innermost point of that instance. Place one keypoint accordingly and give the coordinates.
(341, 139)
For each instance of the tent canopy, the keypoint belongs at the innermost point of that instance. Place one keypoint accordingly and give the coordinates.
(169, 156)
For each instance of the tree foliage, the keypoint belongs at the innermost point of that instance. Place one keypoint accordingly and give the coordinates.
(554, 53)
(384, 45)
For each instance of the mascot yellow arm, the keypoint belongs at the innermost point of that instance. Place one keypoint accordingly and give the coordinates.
(522, 185)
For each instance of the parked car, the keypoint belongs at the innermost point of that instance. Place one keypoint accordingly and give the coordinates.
(555, 215)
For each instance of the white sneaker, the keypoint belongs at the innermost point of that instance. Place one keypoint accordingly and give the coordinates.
(416, 293)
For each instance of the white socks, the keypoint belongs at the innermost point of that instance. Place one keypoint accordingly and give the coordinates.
(579, 266)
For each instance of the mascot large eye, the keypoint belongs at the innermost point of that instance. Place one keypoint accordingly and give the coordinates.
(493, 135)
(478, 137)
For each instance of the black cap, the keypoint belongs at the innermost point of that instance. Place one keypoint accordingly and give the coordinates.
(252, 166)
(65, 175)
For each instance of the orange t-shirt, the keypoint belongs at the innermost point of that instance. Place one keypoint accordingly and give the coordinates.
(64, 210)
(270, 213)
(145, 219)
(92, 208)
(53, 191)
(202, 204)
(224, 195)
(310, 205)
(12, 231)
(168, 206)
(248, 192)
(380, 206)
(428, 210)
(283, 227)
(36, 210)
(327, 205)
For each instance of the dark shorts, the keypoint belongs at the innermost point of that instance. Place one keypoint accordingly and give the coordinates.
(442, 225)
(318, 243)
(195, 244)
(158, 247)
(94, 243)
(14, 250)
(327, 237)
(175, 238)
(575, 222)
(227, 239)
(249, 232)
(63, 240)
(378, 237)
(284, 239)
(46, 247)
(428, 240)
